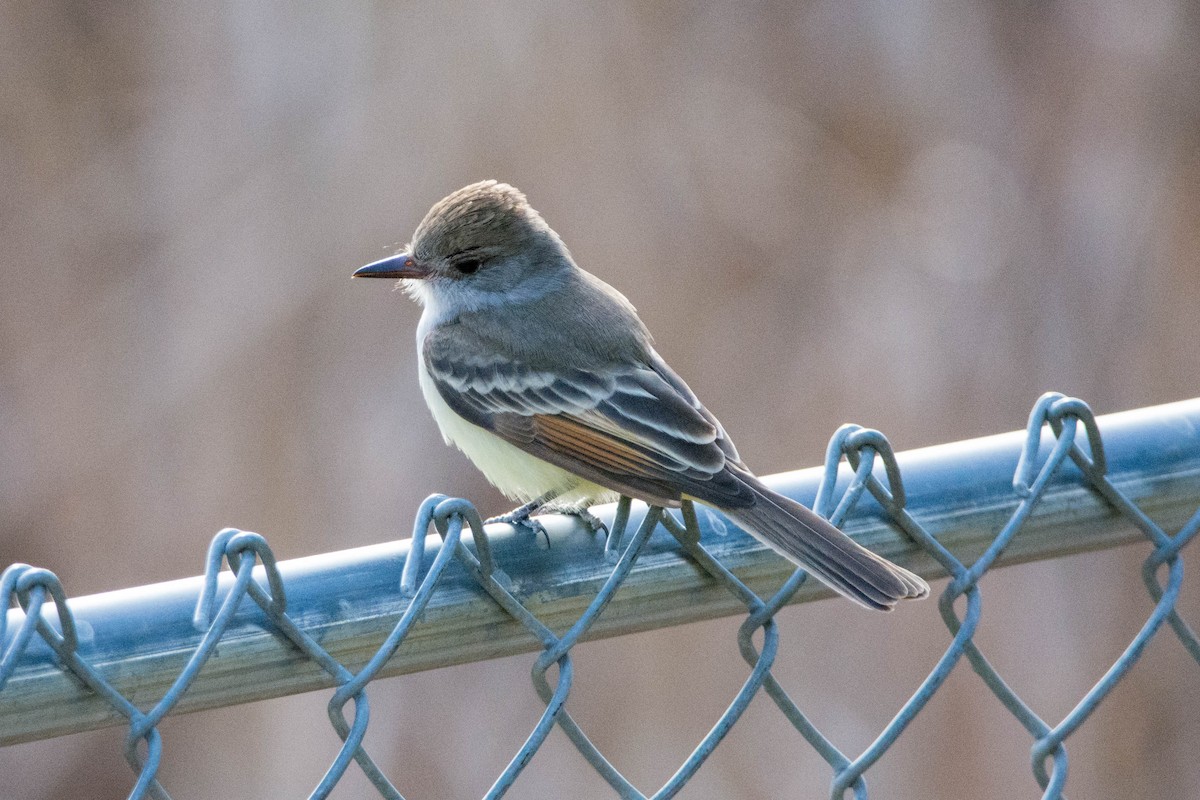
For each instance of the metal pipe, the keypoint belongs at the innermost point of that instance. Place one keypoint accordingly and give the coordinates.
(962, 493)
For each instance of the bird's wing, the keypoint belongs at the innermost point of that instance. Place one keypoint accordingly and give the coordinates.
(632, 427)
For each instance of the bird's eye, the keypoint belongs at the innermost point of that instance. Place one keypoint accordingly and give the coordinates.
(468, 266)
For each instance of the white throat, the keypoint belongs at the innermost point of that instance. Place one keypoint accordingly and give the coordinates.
(446, 299)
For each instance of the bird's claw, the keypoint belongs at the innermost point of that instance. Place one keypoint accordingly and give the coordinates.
(521, 518)
(590, 520)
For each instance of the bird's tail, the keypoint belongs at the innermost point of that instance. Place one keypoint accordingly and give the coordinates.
(806, 538)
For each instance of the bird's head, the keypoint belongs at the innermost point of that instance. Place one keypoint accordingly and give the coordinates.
(478, 244)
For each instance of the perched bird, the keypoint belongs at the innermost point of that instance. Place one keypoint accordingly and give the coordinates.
(543, 375)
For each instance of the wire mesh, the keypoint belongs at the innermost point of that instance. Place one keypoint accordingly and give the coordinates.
(1076, 440)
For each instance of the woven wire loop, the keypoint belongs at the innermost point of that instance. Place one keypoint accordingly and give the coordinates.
(1073, 438)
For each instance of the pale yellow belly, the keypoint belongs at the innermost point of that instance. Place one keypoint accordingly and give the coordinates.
(514, 472)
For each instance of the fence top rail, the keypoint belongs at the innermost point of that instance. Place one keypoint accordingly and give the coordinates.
(140, 637)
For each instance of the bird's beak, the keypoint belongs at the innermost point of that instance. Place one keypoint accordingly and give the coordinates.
(401, 265)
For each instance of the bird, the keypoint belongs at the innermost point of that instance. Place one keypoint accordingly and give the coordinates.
(547, 379)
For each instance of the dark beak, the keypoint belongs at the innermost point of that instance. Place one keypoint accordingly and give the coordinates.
(401, 265)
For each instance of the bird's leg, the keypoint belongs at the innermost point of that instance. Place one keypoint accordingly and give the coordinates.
(590, 520)
(522, 516)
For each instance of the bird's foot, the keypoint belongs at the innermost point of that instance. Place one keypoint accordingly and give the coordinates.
(590, 520)
(522, 517)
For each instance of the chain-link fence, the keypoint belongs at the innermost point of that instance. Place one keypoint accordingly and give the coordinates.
(955, 510)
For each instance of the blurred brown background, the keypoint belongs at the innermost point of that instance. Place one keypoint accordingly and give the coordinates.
(915, 217)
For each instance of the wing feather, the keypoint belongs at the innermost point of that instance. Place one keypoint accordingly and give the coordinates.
(632, 427)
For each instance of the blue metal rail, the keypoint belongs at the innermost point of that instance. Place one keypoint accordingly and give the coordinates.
(1070, 482)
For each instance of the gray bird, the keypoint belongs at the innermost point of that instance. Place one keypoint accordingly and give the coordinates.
(543, 375)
